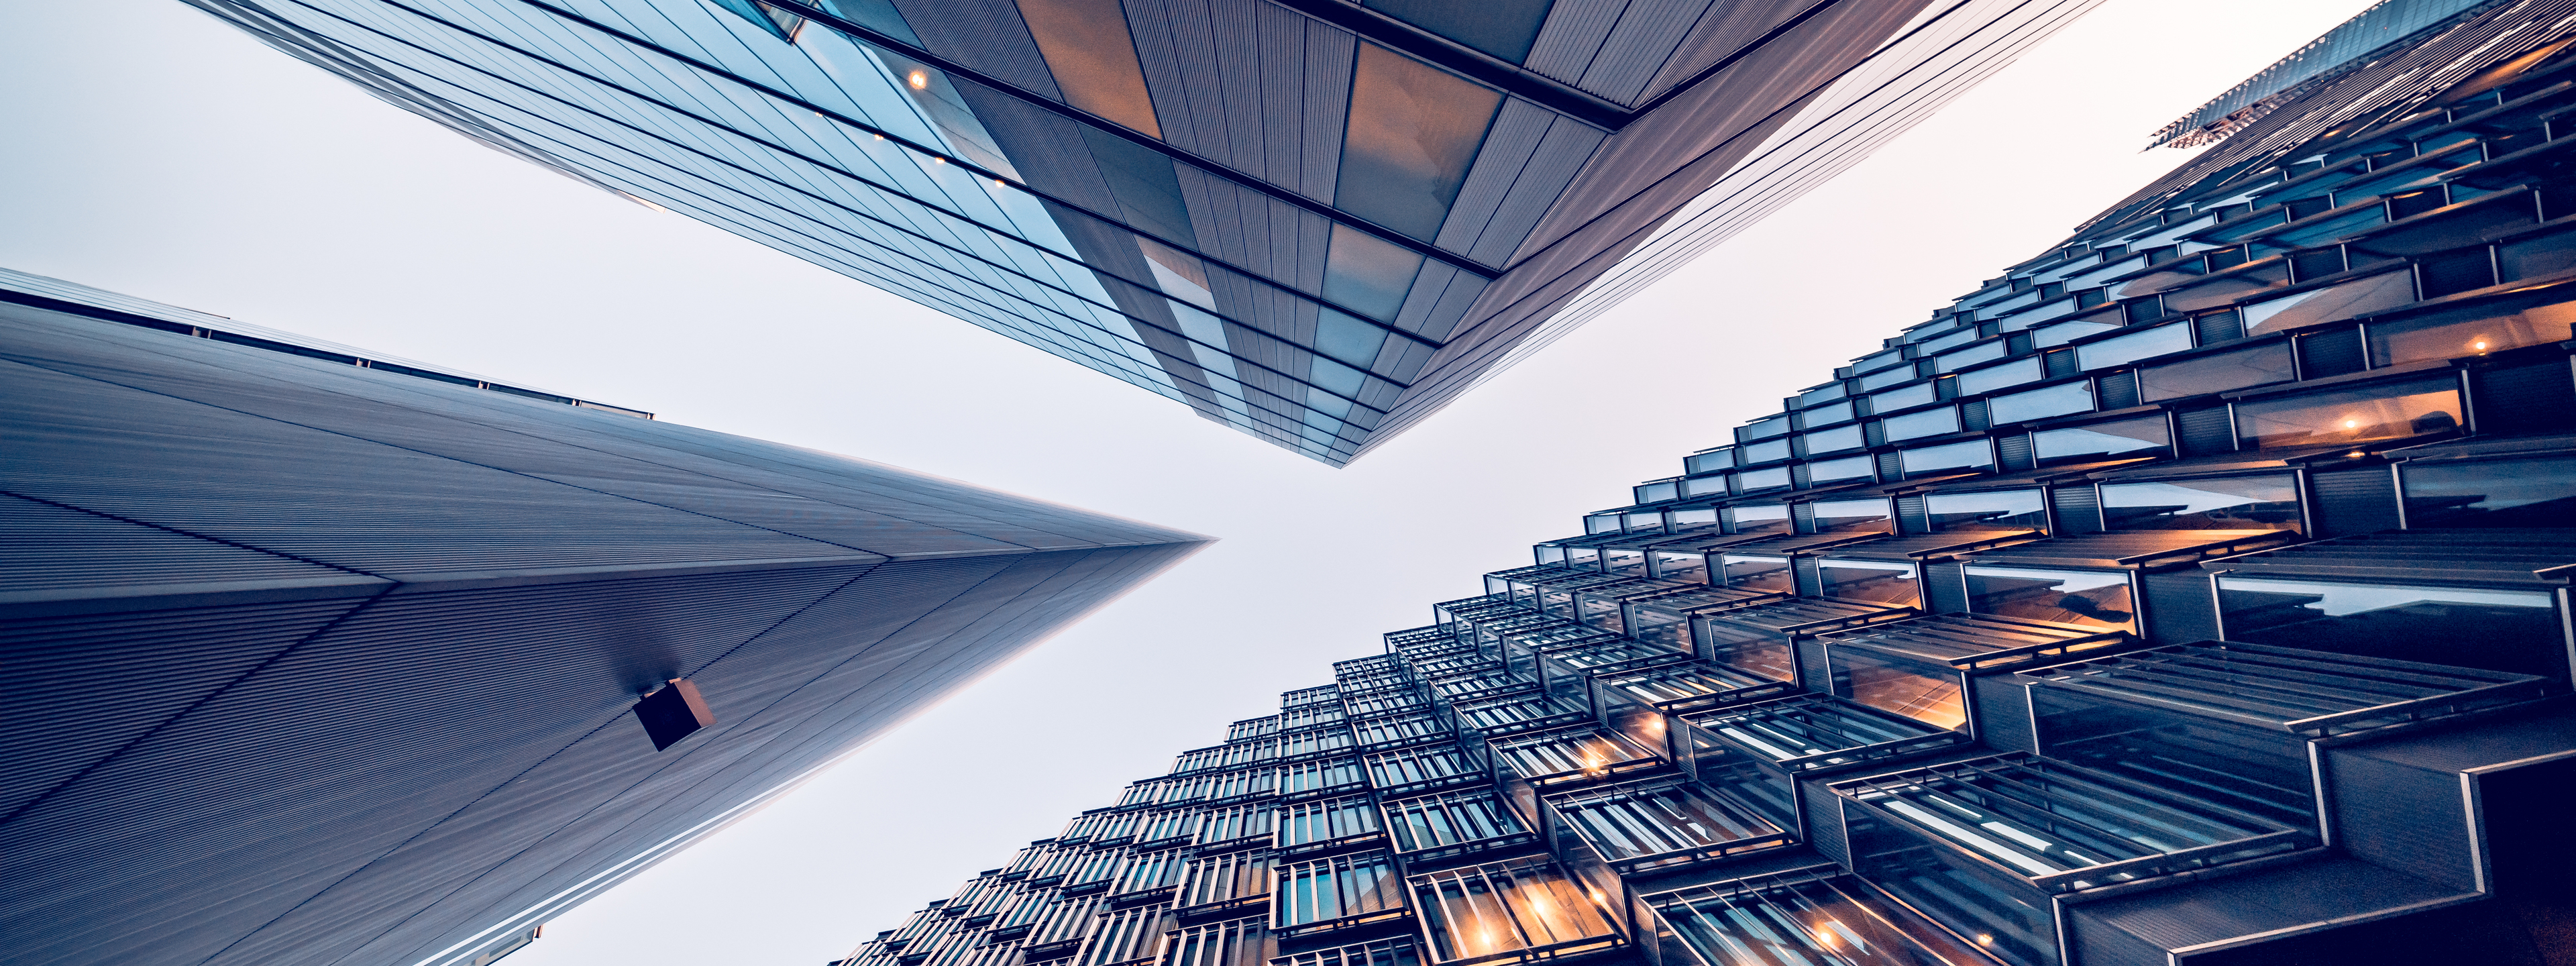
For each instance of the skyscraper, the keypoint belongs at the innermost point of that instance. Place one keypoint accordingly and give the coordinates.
(321, 656)
(2196, 592)
(1315, 221)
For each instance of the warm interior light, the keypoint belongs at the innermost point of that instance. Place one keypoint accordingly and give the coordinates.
(919, 80)
(2352, 424)
(1985, 940)
(2480, 345)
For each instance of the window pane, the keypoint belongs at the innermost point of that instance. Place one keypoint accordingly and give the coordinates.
(2127, 437)
(1086, 46)
(1762, 519)
(1763, 479)
(2517, 631)
(1833, 440)
(1777, 449)
(1930, 422)
(2467, 332)
(1691, 567)
(1894, 399)
(1992, 378)
(2257, 366)
(1755, 573)
(2060, 400)
(2005, 510)
(1855, 516)
(1503, 29)
(1870, 580)
(2492, 493)
(2130, 348)
(1368, 273)
(2233, 503)
(1414, 129)
(2378, 412)
(1972, 453)
(1918, 691)
(1848, 468)
(2094, 598)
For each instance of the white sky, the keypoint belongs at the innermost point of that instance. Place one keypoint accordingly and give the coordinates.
(153, 151)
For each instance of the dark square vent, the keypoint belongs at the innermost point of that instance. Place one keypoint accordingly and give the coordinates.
(672, 713)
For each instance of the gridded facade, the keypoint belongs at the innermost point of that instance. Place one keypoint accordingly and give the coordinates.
(2227, 661)
(1313, 220)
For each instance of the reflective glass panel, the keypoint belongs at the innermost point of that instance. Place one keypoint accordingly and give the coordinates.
(1761, 519)
(1930, 422)
(1895, 399)
(1847, 468)
(2356, 415)
(2260, 365)
(1625, 563)
(1872, 580)
(1503, 29)
(1765, 429)
(1992, 378)
(2516, 630)
(1368, 274)
(1087, 48)
(1833, 440)
(1853, 516)
(1773, 478)
(2058, 400)
(1777, 449)
(2492, 493)
(1973, 453)
(1997, 510)
(2467, 332)
(1692, 567)
(2130, 348)
(1840, 412)
(2090, 597)
(1756, 573)
(2144, 436)
(1747, 649)
(1413, 131)
(1923, 692)
(2268, 502)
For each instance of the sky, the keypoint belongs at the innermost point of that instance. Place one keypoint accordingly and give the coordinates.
(155, 152)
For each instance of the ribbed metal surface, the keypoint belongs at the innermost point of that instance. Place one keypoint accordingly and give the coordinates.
(2179, 607)
(1943, 593)
(2360, 500)
(2529, 398)
(2206, 431)
(2077, 509)
(355, 681)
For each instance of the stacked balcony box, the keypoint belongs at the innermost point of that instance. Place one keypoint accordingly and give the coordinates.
(1517, 911)
(1664, 620)
(1925, 668)
(2109, 580)
(2406, 595)
(1776, 640)
(1994, 845)
(1523, 642)
(1446, 828)
(1565, 668)
(1912, 571)
(1812, 915)
(1640, 703)
(1771, 754)
(2487, 484)
(1656, 826)
(1499, 582)
(1772, 564)
(1605, 605)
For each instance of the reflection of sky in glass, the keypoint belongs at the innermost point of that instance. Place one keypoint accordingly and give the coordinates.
(2498, 485)
(2067, 581)
(2194, 499)
(2341, 600)
(2084, 442)
(2004, 503)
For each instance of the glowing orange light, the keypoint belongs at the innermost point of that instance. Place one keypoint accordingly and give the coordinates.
(935, 159)
(1985, 940)
(2480, 345)
(919, 80)
(2352, 424)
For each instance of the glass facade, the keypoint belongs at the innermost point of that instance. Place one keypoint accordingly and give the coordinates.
(2188, 611)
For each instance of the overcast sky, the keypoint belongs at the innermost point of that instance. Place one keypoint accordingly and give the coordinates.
(153, 151)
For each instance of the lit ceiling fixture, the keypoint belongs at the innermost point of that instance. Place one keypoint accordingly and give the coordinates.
(919, 80)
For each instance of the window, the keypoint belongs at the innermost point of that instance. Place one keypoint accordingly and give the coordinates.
(1832, 440)
(2492, 493)
(2339, 301)
(1413, 131)
(2260, 365)
(2229, 503)
(1647, 825)
(1767, 574)
(1233, 822)
(2058, 400)
(1341, 887)
(1777, 449)
(1487, 910)
(1852, 516)
(1923, 692)
(2472, 331)
(1306, 823)
(1087, 48)
(2386, 411)
(1441, 821)
(1217, 878)
(2515, 630)
(2131, 348)
(1124, 935)
(1369, 274)
(1930, 422)
(1747, 649)
(1679, 565)
(1815, 921)
(1991, 378)
(1152, 870)
(1895, 399)
(1720, 458)
(1883, 582)
(1996, 510)
(1847, 468)
(1765, 429)
(1762, 519)
(1971, 454)
(1235, 942)
(1416, 766)
(1770, 479)
(1624, 563)
(1840, 412)
(2126, 437)
(1502, 29)
(2090, 597)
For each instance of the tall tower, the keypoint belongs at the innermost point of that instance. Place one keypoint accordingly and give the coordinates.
(1315, 221)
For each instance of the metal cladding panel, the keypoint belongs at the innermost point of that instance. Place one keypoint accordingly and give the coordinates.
(2228, 907)
(2003, 714)
(2362, 500)
(300, 768)
(2402, 817)
(2178, 607)
(2526, 398)
(1945, 590)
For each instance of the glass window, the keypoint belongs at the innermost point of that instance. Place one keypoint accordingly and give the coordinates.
(2515, 630)
(1748, 649)
(2069, 331)
(1650, 521)
(1756, 573)
(1481, 912)
(1822, 394)
(1997, 510)
(2090, 597)
(2340, 301)
(1720, 458)
(1369, 274)
(1923, 692)
(1440, 821)
(1973, 453)
(1087, 48)
(1816, 921)
(1692, 567)
(1693, 519)
(2353, 415)
(2228, 503)
(1777, 449)
(1881, 380)
(2467, 332)
(2131, 348)
(1602, 523)
(1583, 558)
(1969, 357)
(1871, 580)
(1853, 516)
(1413, 131)
(1773, 478)
(1930, 422)
(1347, 339)
(1148, 192)
(2260, 365)
(1831, 440)
(1341, 887)
(1895, 399)
(1991, 378)
(1704, 485)
(1847, 468)
(2058, 400)
(2127, 437)
(1503, 29)
(1774, 426)
(2492, 493)
(1625, 563)
(1762, 519)
(1828, 415)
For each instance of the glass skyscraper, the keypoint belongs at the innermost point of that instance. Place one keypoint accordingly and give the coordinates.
(2197, 591)
(1315, 221)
